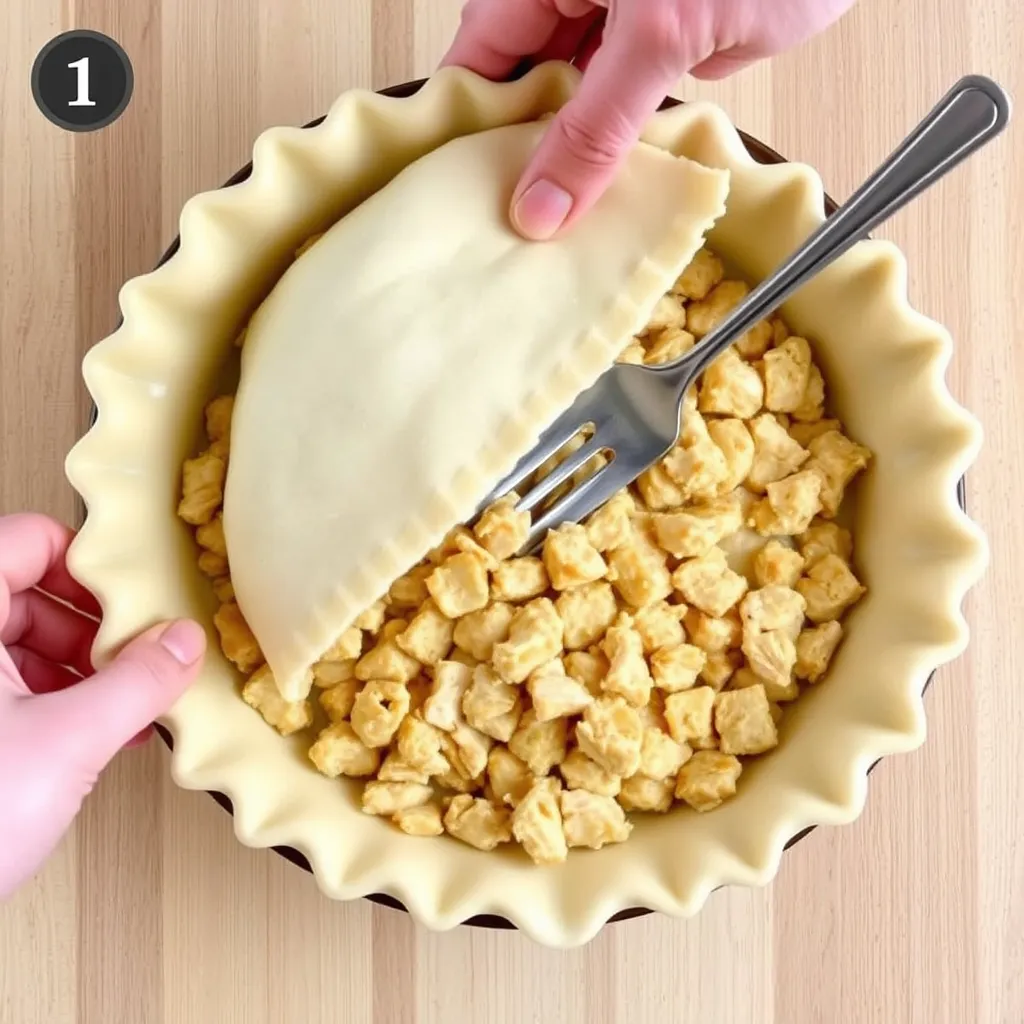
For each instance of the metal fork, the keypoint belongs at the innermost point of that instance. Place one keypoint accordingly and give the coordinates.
(633, 412)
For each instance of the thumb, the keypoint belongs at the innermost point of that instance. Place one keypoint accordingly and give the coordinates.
(724, 63)
(635, 67)
(99, 715)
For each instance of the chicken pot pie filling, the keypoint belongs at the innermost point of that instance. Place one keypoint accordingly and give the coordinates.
(627, 668)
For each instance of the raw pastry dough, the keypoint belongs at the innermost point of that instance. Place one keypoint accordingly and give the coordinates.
(407, 359)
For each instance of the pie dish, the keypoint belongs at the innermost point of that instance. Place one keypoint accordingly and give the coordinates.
(918, 552)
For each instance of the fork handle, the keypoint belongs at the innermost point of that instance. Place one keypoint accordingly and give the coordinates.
(973, 112)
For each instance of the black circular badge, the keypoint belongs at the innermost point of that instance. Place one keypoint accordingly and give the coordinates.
(82, 80)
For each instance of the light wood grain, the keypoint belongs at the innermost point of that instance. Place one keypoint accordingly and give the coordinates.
(151, 913)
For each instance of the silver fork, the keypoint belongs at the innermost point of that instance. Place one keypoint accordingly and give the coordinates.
(633, 412)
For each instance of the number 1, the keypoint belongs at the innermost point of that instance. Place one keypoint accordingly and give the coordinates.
(82, 100)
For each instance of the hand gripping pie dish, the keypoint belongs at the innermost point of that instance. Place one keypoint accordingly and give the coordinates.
(304, 406)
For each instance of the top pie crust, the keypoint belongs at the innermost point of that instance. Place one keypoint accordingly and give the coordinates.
(410, 356)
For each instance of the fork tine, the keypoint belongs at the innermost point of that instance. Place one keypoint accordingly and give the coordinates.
(559, 474)
(570, 423)
(591, 494)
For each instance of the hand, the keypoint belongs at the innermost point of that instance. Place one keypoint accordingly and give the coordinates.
(629, 66)
(60, 724)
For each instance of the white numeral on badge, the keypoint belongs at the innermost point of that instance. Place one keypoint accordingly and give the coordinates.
(82, 99)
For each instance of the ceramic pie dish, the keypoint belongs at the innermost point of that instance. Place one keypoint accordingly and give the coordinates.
(885, 364)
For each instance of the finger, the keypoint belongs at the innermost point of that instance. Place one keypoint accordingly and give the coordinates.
(590, 45)
(643, 53)
(40, 674)
(568, 37)
(101, 714)
(722, 65)
(140, 739)
(50, 629)
(60, 583)
(10, 677)
(32, 552)
(494, 35)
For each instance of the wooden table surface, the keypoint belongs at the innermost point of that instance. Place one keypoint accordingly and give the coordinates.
(151, 913)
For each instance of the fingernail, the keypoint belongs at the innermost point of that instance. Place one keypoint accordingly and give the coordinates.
(541, 210)
(185, 640)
